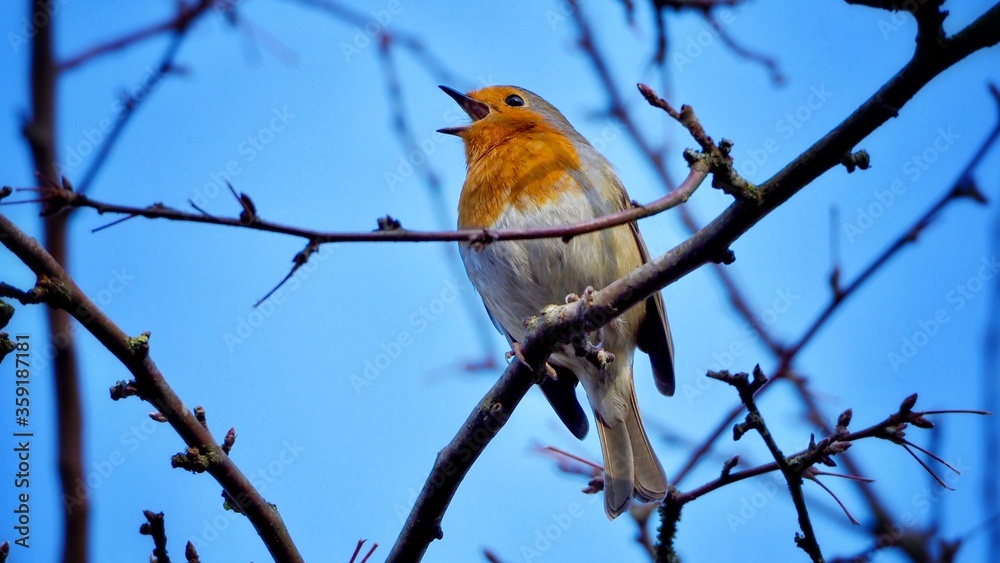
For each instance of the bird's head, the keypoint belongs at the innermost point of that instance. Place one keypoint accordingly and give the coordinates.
(503, 113)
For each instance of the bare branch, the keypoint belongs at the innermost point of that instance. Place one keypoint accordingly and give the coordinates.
(41, 133)
(59, 198)
(962, 189)
(769, 63)
(717, 157)
(793, 475)
(182, 23)
(178, 23)
(562, 323)
(63, 294)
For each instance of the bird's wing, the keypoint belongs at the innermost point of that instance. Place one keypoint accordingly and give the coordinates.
(560, 392)
(654, 333)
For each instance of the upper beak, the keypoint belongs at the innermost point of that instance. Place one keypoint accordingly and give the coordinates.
(474, 108)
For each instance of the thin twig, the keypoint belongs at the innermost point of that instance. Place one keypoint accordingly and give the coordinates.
(960, 190)
(181, 20)
(153, 526)
(59, 198)
(793, 475)
(182, 23)
(407, 141)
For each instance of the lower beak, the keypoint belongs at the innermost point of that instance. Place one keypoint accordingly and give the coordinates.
(474, 108)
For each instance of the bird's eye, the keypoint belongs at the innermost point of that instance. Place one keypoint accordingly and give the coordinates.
(514, 100)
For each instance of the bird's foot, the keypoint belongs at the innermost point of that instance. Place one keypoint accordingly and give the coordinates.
(587, 296)
(594, 352)
(550, 371)
(516, 352)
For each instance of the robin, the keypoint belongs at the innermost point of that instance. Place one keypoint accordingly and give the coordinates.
(528, 167)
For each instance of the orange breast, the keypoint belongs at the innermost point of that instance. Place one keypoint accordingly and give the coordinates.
(526, 170)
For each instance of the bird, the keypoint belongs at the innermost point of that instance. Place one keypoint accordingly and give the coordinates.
(528, 167)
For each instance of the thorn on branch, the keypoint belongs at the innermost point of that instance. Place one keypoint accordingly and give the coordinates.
(199, 209)
(248, 215)
(125, 218)
(966, 187)
(856, 160)
(300, 259)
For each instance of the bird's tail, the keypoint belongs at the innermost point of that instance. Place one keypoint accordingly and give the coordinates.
(631, 469)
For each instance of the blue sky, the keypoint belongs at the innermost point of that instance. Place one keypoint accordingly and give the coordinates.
(300, 120)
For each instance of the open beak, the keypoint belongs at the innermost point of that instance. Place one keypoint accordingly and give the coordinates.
(474, 108)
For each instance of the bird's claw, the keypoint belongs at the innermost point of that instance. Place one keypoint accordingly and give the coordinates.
(586, 297)
(594, 351)
(604, 358)
(516, 352)
(598, 343)
(551, 371)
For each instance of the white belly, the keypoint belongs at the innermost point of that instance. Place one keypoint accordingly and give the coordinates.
(516, 279)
